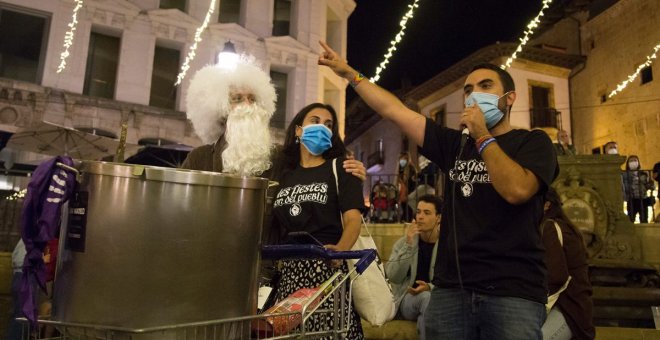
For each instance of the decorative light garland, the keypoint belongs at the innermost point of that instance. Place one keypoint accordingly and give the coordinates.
(649, 61)
(530, 30)
(16, 195)
(397, 39)
(198, 38)
(69, 35)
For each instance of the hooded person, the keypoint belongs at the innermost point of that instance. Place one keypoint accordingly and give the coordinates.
(230, 109)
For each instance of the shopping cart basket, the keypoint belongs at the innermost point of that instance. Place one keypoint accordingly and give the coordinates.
(246, 327)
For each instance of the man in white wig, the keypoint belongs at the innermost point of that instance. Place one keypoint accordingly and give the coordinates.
(230, 108)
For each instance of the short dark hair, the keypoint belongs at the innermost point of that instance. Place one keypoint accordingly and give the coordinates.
(435, 200)
(505, 77)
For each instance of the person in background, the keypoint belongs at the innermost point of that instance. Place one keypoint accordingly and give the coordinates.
(311, 200)
(490, 275)
(636, 184)
(411, 263)
(426, 182)
(407, 182)
(611, 148)
(566, 257)
(563, 145)
(428, 172)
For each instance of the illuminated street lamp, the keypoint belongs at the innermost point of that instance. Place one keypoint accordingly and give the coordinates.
(228, 57)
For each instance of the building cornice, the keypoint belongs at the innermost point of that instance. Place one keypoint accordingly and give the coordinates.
(172, 24)
(118, 14)
(490, 54)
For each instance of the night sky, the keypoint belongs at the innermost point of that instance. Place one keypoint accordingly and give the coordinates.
(441, 33)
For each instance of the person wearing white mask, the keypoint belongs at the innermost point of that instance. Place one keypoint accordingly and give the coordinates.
(611, 148)
(407, 183)
(636, 185)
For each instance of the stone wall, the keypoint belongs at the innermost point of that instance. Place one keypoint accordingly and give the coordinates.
(616, 42)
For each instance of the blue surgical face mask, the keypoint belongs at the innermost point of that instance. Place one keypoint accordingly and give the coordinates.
(488, 104)
(403, 162)
(317, 138)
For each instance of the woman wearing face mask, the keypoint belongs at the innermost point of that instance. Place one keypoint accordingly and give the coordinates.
(308, 201)
(636, 184)
(407, 182)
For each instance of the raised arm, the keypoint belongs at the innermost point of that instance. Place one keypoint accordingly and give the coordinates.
(380, 100)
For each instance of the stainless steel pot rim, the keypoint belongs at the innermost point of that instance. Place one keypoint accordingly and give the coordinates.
(183, 176)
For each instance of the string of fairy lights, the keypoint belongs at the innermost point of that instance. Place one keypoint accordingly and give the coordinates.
(526, 34)
(397, 39)
(649, 61)
(69, 35)
(17, 195)
(198, 38)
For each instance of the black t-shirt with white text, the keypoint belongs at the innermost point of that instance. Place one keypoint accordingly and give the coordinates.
(499, 244)
(307, 200)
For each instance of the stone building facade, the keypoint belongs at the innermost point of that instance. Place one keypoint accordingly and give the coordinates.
(615, 42)
(126, 54)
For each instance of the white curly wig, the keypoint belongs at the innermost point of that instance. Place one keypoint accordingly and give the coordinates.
(207, 99)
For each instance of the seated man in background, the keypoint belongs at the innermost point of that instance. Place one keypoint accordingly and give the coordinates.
(410, 267)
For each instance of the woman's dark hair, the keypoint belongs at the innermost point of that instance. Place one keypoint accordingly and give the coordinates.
(290, 155)
(639, 164)
(555, 211)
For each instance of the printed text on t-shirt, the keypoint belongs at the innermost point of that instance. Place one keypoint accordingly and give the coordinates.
(467, 173)
(314, 192)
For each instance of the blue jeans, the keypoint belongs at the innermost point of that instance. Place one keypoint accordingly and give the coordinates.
(455, 314)
(413, 307)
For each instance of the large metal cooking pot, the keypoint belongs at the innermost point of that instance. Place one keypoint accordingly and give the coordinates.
(148, 246)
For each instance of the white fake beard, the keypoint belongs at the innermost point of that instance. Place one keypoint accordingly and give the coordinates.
(248, 141)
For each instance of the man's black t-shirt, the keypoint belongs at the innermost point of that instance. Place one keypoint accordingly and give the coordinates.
(424, 254)
(307, 200)
(499, 245)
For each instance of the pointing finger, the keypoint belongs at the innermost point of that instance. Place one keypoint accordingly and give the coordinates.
(326, 47)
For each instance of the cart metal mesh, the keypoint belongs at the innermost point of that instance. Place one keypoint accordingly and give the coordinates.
(240, 328)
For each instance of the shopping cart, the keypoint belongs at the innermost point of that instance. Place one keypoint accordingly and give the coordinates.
(247, 327)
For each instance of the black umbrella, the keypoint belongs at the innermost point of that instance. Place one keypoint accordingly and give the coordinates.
(171, 156)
